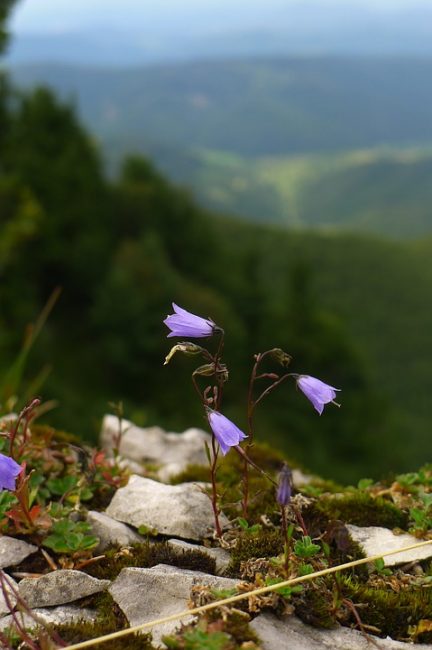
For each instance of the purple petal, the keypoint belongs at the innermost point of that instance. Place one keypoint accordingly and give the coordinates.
(183, 323)
(226, 432)
(316, 391)
(9, 471)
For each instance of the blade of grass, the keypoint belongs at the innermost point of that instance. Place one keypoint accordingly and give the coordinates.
(10, 385)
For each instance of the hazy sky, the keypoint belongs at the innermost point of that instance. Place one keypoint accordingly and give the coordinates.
(59, 15)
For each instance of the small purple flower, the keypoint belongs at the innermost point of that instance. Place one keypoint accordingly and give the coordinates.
(226, 432)
(317, 391)
(183, 323)
(284, 491)
(9, 471)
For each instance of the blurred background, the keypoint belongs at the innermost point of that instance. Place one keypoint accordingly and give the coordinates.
(265, 163)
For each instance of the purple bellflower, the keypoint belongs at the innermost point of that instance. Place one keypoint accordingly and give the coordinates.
(317, 391)
(226, 432)
(284, 490)
(9, 471)
(183, 323)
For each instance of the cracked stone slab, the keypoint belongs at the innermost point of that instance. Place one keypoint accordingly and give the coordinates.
(221, 556)
(375, 540)
(182, 510)
(59, 587)
(111, 531)
(172, 451)
(278, 634)
(13, 551)
(55, 615)
(146, 594)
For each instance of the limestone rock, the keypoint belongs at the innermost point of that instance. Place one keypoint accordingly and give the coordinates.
(111, 531)
(374, 540)
(59, 587)
(146, 594)
(55, 615)
(300, 479)
(13, 551)
(172, 451)
(178, 510)
(278, 634)
(220, 555)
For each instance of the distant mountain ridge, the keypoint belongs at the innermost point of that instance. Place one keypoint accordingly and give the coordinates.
(148, 33)
(324, 143)
(252, 107)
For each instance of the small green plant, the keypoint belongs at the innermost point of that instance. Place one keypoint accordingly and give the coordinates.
(250, 530)
(70, 488)
(381, 569)
(7, 500)
(286, 592)
(305, 548)
(69, 536)
(199, 639)
(421, 517)
(305, 569)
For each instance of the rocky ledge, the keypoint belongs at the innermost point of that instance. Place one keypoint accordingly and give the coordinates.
(156, 555)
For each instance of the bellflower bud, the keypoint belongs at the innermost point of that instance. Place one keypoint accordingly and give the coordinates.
(186, 347)
(284, 490)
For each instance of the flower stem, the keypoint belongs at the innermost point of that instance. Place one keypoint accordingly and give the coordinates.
(214, 499)
(287, 541)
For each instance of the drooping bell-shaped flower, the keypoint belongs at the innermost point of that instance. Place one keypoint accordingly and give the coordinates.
(226, 432)
(317, 391)
(183, 323)
(9, 471)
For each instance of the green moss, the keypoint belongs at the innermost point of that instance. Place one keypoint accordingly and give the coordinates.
(231, 466)
(320, 486)
(110, 619)
(392, 613)
(315, 604)
(147, 555)
(359, 508)
(85, 631)
(192, 473)
(265, 544)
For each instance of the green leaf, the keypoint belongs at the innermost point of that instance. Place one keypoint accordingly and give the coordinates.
(60, 486)
(306, 548)
(200, 640)
(7, 500)
(287, 591)
(426, 498)
(305, 569)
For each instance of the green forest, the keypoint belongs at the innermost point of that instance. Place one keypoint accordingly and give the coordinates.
(351, 310)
